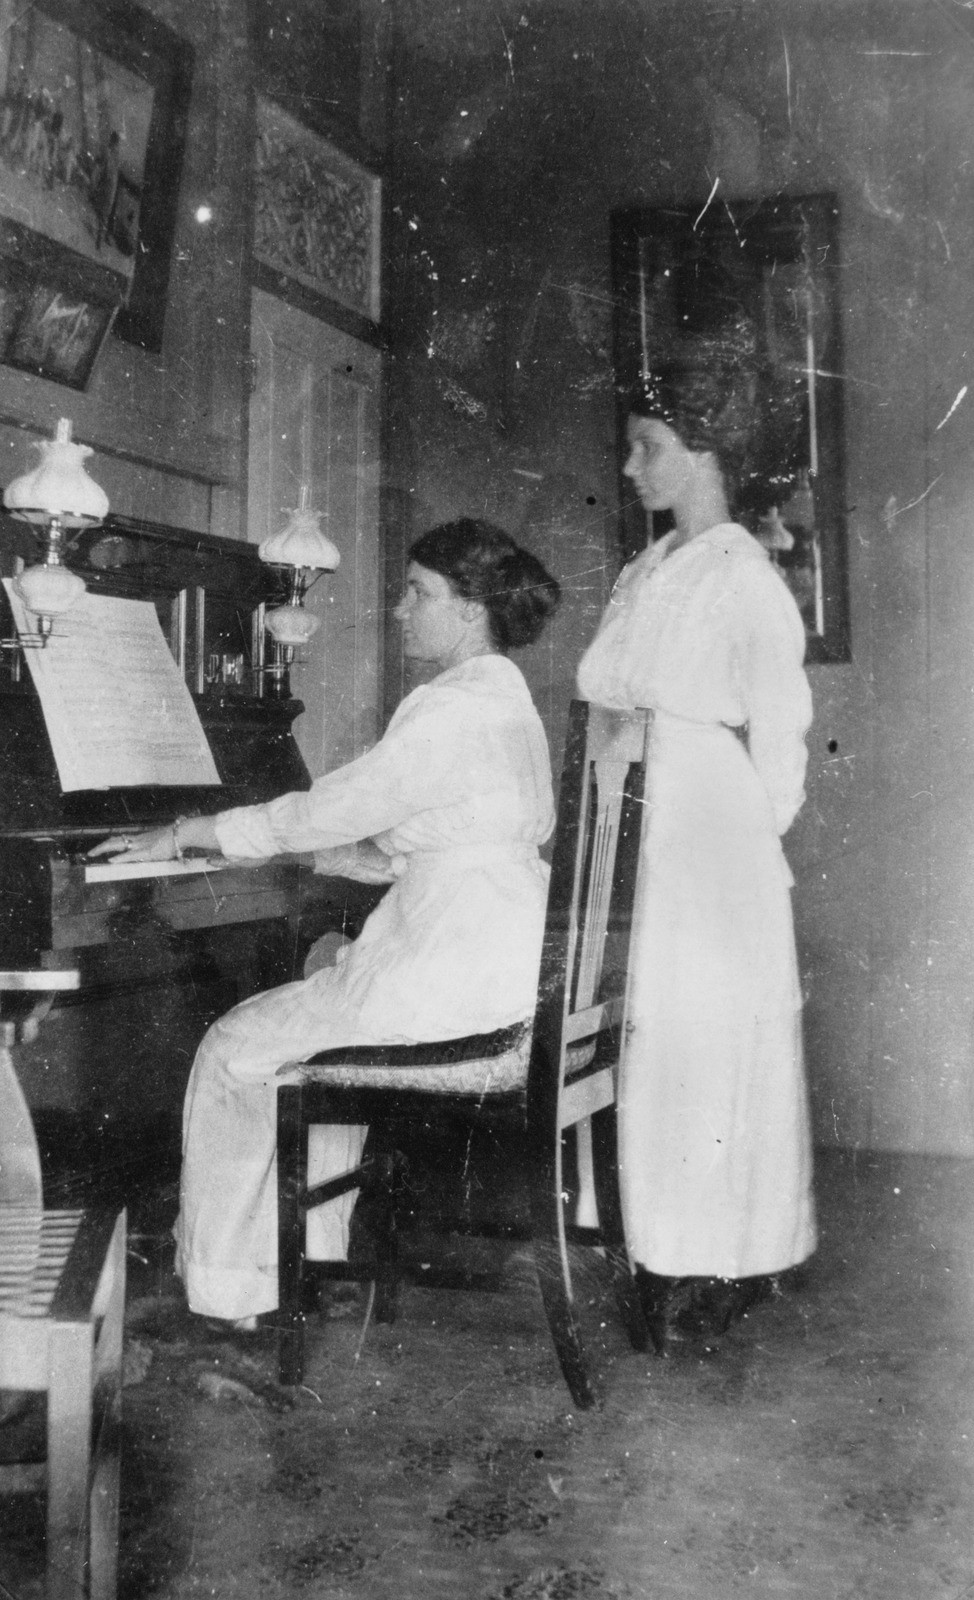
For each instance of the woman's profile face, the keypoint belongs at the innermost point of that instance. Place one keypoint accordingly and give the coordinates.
(659, 463)
(436, 621)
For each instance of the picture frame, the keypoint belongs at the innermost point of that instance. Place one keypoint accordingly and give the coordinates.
(759, 277)
(57, 335)
(55, 309)
(94, 98)
(317, 222)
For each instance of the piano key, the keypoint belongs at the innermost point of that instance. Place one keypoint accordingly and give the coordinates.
(117, 871)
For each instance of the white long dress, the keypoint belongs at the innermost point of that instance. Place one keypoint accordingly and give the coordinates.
(715, 1149)
(458, 794)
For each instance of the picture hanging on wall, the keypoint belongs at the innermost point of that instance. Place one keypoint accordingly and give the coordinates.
(754, 284)
(316, 220)
(55, 309)
(93, 103)
(50, 332)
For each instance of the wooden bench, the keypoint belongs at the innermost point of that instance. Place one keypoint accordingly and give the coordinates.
(62, 1301)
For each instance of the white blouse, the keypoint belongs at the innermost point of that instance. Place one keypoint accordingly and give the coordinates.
(464, 762)
(458, 794)
(711, 633)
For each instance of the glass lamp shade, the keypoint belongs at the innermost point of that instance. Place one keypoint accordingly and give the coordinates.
(291, 625)
(59, 486)
(47, 591)
(773, 534)
(300, 543)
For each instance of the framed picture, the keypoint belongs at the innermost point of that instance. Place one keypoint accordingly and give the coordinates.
(316, 218)
(759, 280)
(93, 103)
(57, 335)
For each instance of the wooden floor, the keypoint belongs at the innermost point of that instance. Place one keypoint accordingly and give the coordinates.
(823, 1451)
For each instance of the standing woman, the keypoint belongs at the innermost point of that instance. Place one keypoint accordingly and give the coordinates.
(449, 808)
(714, 1143)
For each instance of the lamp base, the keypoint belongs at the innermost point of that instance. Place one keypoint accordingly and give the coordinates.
(29, 641)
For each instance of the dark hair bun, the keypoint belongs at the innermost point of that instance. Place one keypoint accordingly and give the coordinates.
(530, 596)
(484, 563)
(706, 393)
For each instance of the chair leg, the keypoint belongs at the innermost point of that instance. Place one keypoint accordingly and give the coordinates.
(105, 1484)
(389, 1175)
(554, 1274)
(69, 1419)
(551, 1264)
(605, 1154)
(292, 1163)
(104, 1510)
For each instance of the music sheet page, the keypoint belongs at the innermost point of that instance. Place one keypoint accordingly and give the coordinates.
(117, 709)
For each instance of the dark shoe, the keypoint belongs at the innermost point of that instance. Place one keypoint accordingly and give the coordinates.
(661, 1300)
(724, 1301)
(337, 1298)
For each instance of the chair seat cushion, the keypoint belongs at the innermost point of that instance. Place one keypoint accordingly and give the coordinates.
(481, 1064)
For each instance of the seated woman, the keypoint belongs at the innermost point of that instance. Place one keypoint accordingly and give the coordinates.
(450, 808)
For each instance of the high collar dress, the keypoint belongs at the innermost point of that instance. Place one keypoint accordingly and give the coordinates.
(458, 794)
(714, 1145)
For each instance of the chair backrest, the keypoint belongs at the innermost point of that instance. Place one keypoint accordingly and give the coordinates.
(585, 958)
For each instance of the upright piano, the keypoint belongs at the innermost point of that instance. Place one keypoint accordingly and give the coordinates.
(162, 948)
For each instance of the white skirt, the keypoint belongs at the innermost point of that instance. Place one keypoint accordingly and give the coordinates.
(715, 1150)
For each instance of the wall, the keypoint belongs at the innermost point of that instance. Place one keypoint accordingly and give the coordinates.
(167, 428)
(517, 130)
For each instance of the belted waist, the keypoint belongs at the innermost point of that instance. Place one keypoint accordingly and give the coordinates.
(666, 723)
(474, 854)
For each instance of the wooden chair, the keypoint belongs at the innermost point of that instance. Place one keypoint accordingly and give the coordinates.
(62, 1300)
(540, 1083)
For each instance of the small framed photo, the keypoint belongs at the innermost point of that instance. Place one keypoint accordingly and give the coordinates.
(58, 336)
(56, 310)
(316, 218)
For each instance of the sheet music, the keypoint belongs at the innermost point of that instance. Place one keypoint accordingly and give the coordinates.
(117, 709)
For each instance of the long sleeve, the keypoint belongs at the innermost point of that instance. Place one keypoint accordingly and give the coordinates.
(412, 768)
(616, 669)
(464, 758)
(775, 690)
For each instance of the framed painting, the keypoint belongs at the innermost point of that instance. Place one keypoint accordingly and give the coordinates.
(316, 220)
(93, 103)
(762, 276)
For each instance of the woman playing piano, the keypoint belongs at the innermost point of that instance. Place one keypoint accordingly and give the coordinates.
(449, 808)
